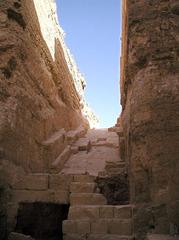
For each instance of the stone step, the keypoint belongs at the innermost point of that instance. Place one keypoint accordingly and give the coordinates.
(108, 237)
(161, 237)
(116, 164)
(97, 212)
(84, 178)
(100, 226)
(83, 144)
(78, 187)
(60, 181)
(78, 227)
(96, 237)
(115, 171)
(87, 199)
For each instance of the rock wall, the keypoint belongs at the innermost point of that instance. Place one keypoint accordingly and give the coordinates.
(150, 115)
(41, 88)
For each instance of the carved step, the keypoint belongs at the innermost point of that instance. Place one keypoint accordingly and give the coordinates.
(84, 178)
(108, 237)
(87, 199)
(78, 187)
(79, 227)
(96, 237)
(161, 237)
(60, 182)
(119, 164)
(96, 212)
(83, 144)
(99, 226)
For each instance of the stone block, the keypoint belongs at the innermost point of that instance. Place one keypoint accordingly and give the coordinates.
(120, 227)
(40, 196)
(122, 212)
(80, 187)
(74, 149)
(87, 199)
(32, 182)
(108, 237)
(61, 197)
(161, 237)
(60, 182)
(84, 178)
(69, 226)
(83, 144)
(74, 237)
(106, 212)
(32, 196)
(83, 212)
(99, 226)
(83, 227)
(78, 227)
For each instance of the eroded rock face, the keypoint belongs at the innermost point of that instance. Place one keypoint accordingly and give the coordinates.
(38, 94)
(41, 101)
(114, 188)
(150, 102)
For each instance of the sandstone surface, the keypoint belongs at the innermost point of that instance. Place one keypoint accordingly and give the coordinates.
(150, 103)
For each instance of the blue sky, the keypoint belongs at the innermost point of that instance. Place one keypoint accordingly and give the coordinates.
(93, 29)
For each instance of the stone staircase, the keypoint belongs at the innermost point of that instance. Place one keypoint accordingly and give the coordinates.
(90, 218)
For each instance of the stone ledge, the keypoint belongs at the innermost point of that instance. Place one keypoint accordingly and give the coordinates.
(83, 212)
(80, 227)
(84, 178)
(49, 196)
(161, 237)
(32, 182)
(87, 199)
(100, 226)
(108, 237)
(100, 212)
(80, 187)
(60, 182)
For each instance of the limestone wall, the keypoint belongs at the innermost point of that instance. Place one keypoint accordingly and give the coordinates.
(41, 88)
(150, 103)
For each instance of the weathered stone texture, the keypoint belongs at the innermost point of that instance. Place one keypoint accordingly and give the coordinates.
(150, 101)
(41, 105)
(38, 94)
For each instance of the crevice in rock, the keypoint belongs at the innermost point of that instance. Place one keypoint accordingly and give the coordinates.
(9, 68)
(115, 188)
(13, 15)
